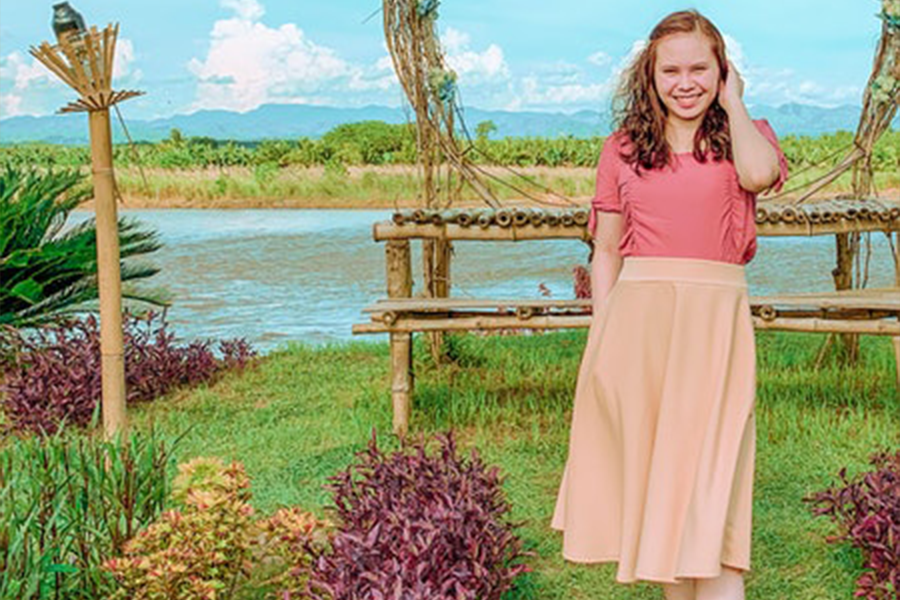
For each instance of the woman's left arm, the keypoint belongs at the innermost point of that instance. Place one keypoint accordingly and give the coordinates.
(755, 159)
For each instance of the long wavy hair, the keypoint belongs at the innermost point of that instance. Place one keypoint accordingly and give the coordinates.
(640, 114)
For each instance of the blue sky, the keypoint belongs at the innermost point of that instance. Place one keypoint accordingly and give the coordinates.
(561, 55)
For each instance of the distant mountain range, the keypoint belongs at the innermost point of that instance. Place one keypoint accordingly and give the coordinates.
(288, 121)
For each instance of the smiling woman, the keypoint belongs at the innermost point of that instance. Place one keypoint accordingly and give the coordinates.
(659, 476)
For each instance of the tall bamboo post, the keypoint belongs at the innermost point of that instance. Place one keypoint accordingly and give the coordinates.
(879, 107)
(83, 59)
(399, 285)
(896, 340)
(109, 275)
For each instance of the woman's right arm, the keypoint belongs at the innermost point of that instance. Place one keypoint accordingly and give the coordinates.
(606, 262)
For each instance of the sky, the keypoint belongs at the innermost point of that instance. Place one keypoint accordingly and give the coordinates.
(535, 55)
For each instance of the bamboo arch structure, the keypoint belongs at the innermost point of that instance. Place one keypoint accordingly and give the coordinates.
(430, 87)
(880, 102)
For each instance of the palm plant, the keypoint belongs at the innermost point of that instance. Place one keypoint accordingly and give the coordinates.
(46, 270)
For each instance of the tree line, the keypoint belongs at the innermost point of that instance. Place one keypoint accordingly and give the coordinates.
(380, 143)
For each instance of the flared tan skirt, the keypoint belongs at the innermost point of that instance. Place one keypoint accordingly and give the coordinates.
(659, 476)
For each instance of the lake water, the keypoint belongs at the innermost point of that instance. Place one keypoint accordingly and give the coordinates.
(277, 275)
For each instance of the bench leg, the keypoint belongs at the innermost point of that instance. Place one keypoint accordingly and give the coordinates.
(401, 380)
(896, 341)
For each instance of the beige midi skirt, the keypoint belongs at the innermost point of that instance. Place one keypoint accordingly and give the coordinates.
(659, 476)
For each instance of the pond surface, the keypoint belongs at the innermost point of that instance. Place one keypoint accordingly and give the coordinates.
(277, 275)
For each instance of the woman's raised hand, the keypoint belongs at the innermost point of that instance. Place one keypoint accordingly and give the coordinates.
(731, 90)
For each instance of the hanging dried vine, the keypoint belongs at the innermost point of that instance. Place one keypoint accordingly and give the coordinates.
(430, 86)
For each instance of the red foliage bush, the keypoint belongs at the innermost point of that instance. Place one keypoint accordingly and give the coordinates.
(54, 375)
(418, 526)
(867, 508)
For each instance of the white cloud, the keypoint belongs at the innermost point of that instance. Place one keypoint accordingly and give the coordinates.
(249, 64)
(123, 63)
(735, 53)
(535, 93)
(454, 40)
(11, 106)
(24, 71)
(776, 86)
(600, 59)
(248, 10)
(470, 65)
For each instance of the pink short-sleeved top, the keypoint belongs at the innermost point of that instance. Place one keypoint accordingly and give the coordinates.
(687, 209)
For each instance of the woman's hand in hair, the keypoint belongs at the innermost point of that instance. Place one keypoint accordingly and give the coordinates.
(731, 89)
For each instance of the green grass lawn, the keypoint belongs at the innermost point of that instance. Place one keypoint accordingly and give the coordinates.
(301, 413)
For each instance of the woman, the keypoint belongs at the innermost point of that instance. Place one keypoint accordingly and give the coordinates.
(660, 469)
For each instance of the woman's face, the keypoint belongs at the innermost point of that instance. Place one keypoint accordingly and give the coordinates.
(686, 75)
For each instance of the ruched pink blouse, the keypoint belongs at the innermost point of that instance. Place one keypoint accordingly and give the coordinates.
(687, 209)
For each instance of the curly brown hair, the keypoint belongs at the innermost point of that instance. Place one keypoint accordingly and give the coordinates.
(640, 114)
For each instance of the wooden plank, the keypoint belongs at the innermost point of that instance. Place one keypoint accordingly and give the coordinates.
(444, 304)
(486, 323)
(875, 299)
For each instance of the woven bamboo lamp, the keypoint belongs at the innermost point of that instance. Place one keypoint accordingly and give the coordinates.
(83, 59)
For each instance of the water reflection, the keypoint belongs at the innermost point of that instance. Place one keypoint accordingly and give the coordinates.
(285, 274)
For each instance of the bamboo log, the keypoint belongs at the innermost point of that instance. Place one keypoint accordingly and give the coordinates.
(896, 341)
(551, 218)
(789, 214)
(582, 217)
(401, 380)
(520, 217)
(398, 265)
(551, 229)
(439, 288)
(465, 219)
(109, 276)
(490, 322)
(885, 327)
(537, 218)
(762, 215)
(504, 217)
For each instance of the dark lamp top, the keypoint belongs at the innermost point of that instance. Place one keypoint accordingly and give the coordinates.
(66, 18)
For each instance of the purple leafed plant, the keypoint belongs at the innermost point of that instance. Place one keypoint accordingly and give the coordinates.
(54, 375)
(867, 508)
(418, 526)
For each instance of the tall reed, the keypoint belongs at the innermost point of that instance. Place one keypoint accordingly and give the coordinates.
(69, 503)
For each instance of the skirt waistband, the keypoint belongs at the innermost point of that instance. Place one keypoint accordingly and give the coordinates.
(691, 270)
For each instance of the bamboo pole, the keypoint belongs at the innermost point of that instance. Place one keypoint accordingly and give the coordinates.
(489, 322)
(439, 288)
(109, 275)
(896, 340)
(398, 265)
(466, 228)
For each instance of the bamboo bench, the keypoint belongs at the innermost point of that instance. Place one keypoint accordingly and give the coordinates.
(874, 311)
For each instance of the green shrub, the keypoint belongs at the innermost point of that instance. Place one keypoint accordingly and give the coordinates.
(68, 504)
(211, 546)
(200, 551)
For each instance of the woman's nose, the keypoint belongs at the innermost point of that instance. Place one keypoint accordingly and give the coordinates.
(685, 81)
